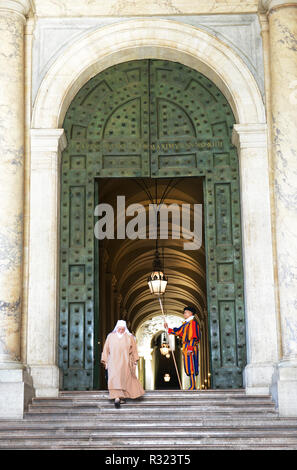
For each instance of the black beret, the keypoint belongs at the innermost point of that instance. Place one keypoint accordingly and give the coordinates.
(191, 309)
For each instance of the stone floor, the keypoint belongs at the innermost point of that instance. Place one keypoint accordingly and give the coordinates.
(214, 419)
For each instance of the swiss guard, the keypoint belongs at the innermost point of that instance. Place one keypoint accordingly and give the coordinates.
(189, 331)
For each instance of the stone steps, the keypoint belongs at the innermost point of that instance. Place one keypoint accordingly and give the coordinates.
(159, 420)
(151, 401)
(117, 422)
(144, 432)
(158, 403)
(267, 425)
(161, 393)
(152, 411)
(170, 406)
(120, 416)
(126, 442)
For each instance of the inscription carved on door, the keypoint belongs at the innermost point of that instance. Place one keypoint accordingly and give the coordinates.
(150, 118)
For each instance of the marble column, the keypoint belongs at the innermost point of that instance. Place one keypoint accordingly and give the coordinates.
(260, 311)
(282, 18)
(15, 383)
(43, 288)
(149, 370)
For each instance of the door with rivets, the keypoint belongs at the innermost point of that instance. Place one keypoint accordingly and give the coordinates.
(159, 119)
(107, 130)
(190, 130)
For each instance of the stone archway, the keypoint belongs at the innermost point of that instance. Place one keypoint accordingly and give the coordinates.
(145, 333)
(144, 39)
(201, 51)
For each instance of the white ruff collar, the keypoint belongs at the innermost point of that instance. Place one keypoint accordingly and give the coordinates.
(189, 319)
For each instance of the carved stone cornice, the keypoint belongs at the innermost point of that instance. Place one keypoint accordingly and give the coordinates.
(264, 22)
(269, 5)
(48, 140)
(249, 136)
(21, 7)
(120, 8)
(47, 146)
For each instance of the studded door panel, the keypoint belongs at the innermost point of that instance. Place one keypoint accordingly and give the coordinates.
(107, 130)
(191, 125)
(160, 119)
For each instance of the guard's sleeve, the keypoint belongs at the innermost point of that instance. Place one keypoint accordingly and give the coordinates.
(175, 331)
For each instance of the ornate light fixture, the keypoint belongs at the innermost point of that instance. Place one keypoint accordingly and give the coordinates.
(164, 349)
(157, 281)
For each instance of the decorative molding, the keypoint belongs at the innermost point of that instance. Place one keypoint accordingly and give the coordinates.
(239, 32)
(264, 24)
(116, 8)
(249, 136)
(47, 146)
(21, 7)
(133, 40)
(48, 140)
(269, 5)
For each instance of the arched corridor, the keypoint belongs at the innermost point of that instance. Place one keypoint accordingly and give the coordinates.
(126, 264)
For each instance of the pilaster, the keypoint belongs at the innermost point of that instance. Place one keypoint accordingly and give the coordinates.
(282, 17)
(15, 384)
(42, 355)
(261, 322)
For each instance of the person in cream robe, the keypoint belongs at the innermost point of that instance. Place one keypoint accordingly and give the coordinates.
(119, 357)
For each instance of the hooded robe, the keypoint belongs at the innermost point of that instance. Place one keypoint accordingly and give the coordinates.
(119, 355)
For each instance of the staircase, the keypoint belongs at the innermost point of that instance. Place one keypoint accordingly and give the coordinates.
(188, 420)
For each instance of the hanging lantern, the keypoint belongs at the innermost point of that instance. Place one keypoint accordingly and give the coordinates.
(164, 349)
(168, 356)
(167, 378)
(157, 281)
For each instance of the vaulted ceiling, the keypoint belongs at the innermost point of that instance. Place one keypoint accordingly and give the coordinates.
(130, 261)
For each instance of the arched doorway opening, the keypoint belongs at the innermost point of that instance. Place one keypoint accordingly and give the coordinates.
(125, 265)
(87, 57)
(148, 335)
(165, 376)
(158, 119)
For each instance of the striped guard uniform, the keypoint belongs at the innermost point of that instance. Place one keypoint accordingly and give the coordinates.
(190, 334)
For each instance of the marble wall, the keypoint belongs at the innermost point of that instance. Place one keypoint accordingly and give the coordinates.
(66, 8)
(15, 386)
(72, 41)
(283, 52)
(195, 47)
(52, 37)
